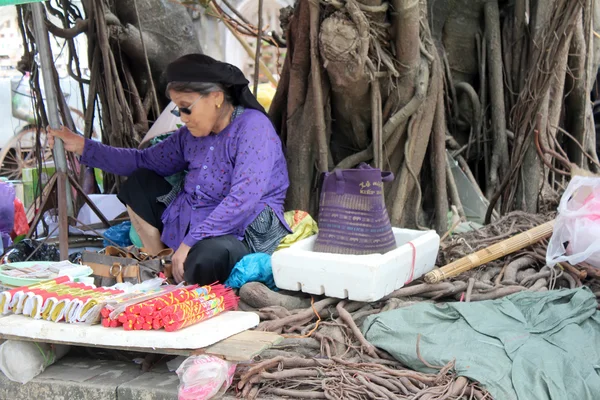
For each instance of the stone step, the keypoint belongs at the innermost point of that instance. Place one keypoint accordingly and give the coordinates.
(76, 378)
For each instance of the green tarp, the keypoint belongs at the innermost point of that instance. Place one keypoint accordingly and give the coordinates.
(527, 346)
(13, 2)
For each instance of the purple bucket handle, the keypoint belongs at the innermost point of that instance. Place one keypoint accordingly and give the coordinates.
(339, 182)
(387, 176)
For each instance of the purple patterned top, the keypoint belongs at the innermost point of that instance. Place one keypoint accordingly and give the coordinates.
(231, 176)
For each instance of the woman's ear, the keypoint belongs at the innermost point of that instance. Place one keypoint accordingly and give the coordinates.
(219, 98)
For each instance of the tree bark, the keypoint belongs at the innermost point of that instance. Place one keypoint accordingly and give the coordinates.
(407, 34)
(415, 148)
(315, 66)
(292, 112)
(344, 47)
(532, 170)
(595, 47)
(407, 42)
(168, 32)
(499, 162)
(327, 110)
(577, 100)
(376, 124)
(438, 166)
(555, 110)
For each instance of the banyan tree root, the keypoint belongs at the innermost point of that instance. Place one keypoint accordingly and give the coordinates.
(302, 317)
(346, 317)
(470, 242)
(340, 319)
(342, 379)
(257, 295)
(324, 354)
(330, 327)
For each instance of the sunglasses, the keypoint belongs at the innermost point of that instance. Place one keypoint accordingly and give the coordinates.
(185, 110)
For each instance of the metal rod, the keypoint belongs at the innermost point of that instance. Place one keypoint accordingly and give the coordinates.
(65, 202)
(89, 228)
(43, 45)
(63, 222)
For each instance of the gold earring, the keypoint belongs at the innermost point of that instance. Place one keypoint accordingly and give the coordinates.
(218, 105)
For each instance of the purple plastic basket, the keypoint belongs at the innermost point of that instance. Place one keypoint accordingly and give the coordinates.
(352, 214)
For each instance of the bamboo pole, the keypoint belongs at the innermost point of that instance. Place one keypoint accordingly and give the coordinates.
(65, 202)
(491, 253)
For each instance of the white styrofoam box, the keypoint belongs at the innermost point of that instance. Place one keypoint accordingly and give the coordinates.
(360, 278)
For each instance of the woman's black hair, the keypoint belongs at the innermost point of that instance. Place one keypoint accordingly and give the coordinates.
(202, 88)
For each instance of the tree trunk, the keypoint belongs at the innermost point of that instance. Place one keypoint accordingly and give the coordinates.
(578, 98)
(385, 82)
(499, 162)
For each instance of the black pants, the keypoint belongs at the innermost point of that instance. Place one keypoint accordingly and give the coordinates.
(209, 260)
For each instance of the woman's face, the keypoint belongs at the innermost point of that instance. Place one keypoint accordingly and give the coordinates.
(205, 111)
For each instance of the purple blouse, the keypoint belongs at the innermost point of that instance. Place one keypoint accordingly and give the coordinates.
(231, 176)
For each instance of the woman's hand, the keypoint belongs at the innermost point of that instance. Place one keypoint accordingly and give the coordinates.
(73, 142)
(178, 259)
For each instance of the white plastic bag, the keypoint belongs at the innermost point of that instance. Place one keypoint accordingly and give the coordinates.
(22, 361)
(204, 377)
(108, 204)
(576, 236)
(166, 122)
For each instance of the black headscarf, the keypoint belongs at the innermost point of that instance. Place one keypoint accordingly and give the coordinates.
(202, 68)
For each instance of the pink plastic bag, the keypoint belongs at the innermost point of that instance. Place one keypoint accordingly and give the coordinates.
(204, 377)
(21, 226)
(577, 226)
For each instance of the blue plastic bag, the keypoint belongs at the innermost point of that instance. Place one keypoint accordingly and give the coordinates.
(118, 234)
(7, 213)
(255, 267)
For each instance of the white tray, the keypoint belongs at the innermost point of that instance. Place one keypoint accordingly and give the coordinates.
(197, 336)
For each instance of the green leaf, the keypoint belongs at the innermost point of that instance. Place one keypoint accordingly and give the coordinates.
(20, 237)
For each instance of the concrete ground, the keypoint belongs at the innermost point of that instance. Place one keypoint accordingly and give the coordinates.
(85, 379)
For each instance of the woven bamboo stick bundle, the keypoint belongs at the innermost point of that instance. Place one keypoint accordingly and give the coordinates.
(491, 253)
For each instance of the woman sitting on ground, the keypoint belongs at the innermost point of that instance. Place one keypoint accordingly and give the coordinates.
(231, 202)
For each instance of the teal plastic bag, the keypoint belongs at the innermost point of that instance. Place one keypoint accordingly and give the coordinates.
(135, 238)
(255, 267)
